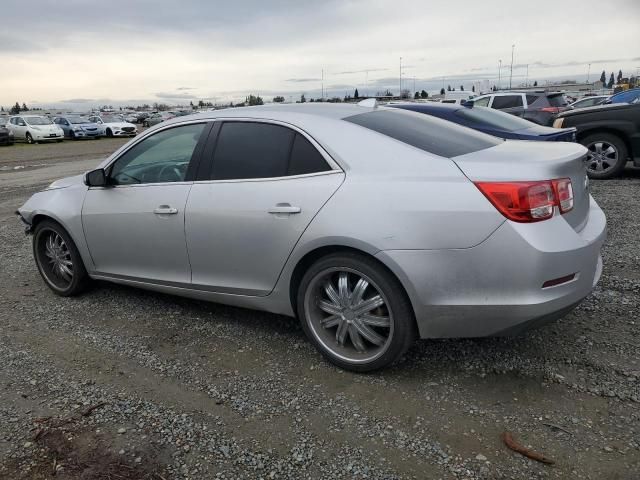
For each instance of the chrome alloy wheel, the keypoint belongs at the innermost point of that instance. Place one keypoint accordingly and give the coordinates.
(55, 259)
(348, 314)
(602, 156)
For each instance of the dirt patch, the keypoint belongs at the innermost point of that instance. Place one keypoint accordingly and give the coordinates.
(68, 453)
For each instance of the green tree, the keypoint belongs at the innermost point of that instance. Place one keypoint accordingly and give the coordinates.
(535, 84)
(462, 88)
(619, 76)
(473, 88)
(279, 99)
(303, 99)
(416, 95)
(15, 109)
(442, 91)
(24, 107)
(356, 95)
(611, 81)
(424, 94)
(448, 88)
(603, 77)
(254, 100)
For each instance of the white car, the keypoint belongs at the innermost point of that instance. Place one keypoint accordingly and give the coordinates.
(114, 126)
(34, 129)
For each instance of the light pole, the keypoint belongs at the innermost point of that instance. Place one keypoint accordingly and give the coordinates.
(400, 94)
(588, 72)
(499, 74)
(526, 79)
(511, 72)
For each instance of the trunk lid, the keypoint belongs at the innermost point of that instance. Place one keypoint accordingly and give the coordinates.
(521, 161)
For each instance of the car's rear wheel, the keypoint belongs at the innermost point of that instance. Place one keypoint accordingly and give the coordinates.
(607, 155)
(58, 259)
(109, 133)
(355, 312)
(29, 138)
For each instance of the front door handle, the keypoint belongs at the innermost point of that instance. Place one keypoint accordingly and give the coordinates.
(165, 210)
(284, 208)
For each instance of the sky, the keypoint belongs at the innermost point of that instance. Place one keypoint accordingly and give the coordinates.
(76, 53)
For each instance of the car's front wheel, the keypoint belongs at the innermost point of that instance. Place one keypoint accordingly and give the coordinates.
(29, 139)
(606, 156)
(355, 312)
(58, 259)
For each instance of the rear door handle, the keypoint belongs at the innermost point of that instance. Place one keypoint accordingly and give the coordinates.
(165, 210)
(284, 208)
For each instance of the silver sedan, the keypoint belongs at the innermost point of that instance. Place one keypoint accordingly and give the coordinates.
(373, 226)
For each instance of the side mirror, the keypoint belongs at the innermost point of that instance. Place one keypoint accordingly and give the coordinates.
(95, 178)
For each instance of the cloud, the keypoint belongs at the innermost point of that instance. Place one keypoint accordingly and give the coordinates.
(369, 70)
(303, 80)
(185, 88)
(78, 100)
(175, 96)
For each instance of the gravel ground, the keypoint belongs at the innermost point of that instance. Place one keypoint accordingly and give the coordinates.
(186, 389)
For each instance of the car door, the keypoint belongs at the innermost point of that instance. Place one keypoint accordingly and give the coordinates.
(266, 183)
(134, 227)
(19, 127)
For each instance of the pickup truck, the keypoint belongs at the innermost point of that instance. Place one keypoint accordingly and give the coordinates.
(611, 133)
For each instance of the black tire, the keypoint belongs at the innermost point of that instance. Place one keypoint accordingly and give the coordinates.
(72, 136)
(398, 335)
(109, 133)
(29, 139)
(59, 141)
(55, 279)
(599, 140)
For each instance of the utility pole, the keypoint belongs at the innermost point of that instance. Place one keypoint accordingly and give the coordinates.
(511, 72)
(322, 85)
(526, 79)
(499, 74)
(400, 94)
(588, 72)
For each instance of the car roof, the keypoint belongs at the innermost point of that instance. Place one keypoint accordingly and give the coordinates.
(452, 107)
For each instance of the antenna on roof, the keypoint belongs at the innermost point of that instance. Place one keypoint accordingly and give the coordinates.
(368, 103)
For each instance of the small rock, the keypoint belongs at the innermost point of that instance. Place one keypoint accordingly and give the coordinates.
(27, 444)
(481, 458)
(122, 430)
(138, 460)
(608, 449)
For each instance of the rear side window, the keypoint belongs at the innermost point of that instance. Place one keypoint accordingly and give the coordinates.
(305, 158)
(531, 99)
(425, 132)
(557, 101)
(506, 101)
(482, 102)
(251, 150)
(247, 150)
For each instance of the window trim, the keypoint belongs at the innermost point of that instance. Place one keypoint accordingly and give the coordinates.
(196, 157)
(209, 151)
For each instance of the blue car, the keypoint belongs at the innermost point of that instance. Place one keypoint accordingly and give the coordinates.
(493, 122)
(77, 126)
(628, 96)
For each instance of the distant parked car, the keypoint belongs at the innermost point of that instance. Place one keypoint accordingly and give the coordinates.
(589, 101)
(628, 96)
(610, 132)
(157, 118)
(491, 121)
(77, 126)
(537, 107)
(34, 129)
(114, 126)
(6, 135)
(131, 117)
(142, 116)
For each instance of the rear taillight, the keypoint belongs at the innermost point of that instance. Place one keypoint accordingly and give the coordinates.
(529, 201)
(564, 194)
(551, 109)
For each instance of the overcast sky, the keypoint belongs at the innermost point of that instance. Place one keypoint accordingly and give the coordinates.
(116, 51)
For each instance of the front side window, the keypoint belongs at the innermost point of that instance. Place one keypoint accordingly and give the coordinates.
(246, 150)
(162, 157)
(506, 101)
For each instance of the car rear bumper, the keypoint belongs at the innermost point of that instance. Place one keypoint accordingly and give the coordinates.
(496, 288)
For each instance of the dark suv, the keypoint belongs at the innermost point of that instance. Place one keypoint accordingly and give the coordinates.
(610, 132)
(539, 107)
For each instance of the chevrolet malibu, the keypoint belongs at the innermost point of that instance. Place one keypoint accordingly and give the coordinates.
(373, 226)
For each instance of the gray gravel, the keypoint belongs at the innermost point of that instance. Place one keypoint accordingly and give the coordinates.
(197, 390)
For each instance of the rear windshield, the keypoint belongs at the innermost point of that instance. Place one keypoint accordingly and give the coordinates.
(425, 132)
(494, 118)
(557, 100)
